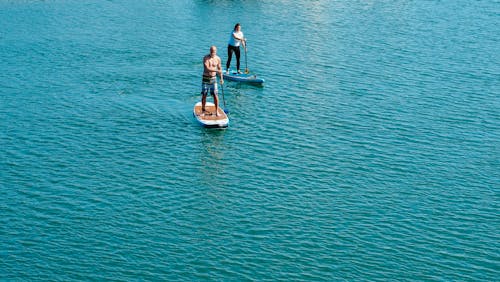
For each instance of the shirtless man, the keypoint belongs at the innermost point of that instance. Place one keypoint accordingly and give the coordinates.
(211, 65)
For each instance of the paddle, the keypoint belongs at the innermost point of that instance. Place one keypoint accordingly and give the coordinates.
(246, 65)
(223, 98)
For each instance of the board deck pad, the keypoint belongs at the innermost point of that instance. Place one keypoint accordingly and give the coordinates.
(209, 118)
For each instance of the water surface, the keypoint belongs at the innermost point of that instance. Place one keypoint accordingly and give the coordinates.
(371, 153)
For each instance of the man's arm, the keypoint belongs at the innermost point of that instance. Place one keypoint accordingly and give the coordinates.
(206, 64)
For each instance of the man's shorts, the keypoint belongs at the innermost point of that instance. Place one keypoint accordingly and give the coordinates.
(209, 85)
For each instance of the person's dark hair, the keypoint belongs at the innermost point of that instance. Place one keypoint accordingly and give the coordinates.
(236, 25)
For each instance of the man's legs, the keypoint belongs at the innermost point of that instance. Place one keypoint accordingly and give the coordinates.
(204, 92)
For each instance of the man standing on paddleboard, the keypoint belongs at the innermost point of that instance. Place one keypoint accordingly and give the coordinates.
(211, 65)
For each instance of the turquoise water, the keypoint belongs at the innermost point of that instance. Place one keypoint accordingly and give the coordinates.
(371, 153)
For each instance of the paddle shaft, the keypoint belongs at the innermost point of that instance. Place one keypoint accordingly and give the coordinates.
(223, 98)
(246, 64)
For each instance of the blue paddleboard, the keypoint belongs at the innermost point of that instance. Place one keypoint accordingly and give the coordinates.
(243, 77)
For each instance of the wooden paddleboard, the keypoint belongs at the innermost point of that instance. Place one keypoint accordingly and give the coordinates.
(208, 118)
(243, 77)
